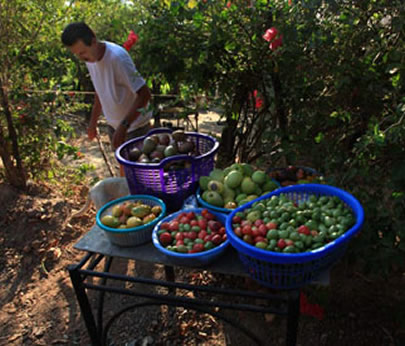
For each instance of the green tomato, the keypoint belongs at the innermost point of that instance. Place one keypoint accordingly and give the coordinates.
(272, 234)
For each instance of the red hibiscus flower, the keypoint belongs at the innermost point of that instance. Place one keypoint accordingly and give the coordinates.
(306, 308)
(276, 43)
(131, 40)
(270, 34)
(257, 99)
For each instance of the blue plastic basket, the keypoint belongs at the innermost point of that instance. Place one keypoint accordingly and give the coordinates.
(191, 260)
(130, 236)
(211, 207)
(172, 186)
(287, 271)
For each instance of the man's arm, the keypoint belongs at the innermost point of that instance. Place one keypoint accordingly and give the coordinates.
(95, 114)
(142, 99)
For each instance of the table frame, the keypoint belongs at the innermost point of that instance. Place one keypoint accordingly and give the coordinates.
(285, 303)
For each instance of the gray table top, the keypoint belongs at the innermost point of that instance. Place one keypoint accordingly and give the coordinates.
(229, 263)
(96, 241)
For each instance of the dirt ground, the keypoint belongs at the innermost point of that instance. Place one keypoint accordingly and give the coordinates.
(38, 305)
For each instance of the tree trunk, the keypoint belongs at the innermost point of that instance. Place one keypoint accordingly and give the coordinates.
(10, 154)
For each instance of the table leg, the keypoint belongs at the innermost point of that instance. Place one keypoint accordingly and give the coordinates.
(292, 318)
(101, 295)
(170, 276)
(84, 305)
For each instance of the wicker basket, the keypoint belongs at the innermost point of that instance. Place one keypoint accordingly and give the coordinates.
(172, 186)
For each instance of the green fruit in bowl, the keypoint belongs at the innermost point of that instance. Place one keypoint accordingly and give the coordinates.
(117, 211)
(203, 182)
(233, 179)
(259, 177)
(248, 186)
(216, 186)
(110, 221)
(217, 174)
(134, 221)
(247, 169)
(237, 167)
(214, 198)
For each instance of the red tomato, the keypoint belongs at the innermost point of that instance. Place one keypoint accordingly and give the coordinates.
(314, 233)
(262, 230)
(165, 239)
(224, 237)
(260, 238)
(190, 215)
(217, 239)
(271, 225)
(183, 214)
(179, 236)
(174, 225)
(184, 220)
(221, 230)
(289, 242)
(236, 219)
(247, 230)
(202, 234)
(198, 247)
(202, 223)
(238, 231)
(304, 230)
(179, 242)
(259, 222)
(281, 243)
(214, 225)
(209, 216)
(192, 235)
(248, 238)
(208, 237)
(245, 222)
(193, 223)
(255, 232)
(165, 225)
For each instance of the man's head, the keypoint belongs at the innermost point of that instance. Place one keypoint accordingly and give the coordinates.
(81, 41)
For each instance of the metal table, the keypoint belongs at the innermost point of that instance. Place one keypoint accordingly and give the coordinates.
(97, 246)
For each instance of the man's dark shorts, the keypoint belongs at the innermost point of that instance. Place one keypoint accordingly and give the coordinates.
(141, 131)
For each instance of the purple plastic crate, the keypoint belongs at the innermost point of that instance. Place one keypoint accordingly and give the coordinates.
(172, 186)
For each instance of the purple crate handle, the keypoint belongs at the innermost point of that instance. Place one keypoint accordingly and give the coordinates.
(174, 158)
(158, 130)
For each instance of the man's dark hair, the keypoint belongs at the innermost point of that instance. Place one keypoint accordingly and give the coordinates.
(77, 31)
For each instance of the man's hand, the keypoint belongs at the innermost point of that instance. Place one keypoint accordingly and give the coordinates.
(91, 132)
(119, 136)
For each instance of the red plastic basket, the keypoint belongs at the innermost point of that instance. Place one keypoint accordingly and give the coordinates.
(172, 186)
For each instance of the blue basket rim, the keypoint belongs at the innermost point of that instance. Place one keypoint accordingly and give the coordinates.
(156, 242)
(124, 161)
(277, 257)
(215, 208)
(126, 198)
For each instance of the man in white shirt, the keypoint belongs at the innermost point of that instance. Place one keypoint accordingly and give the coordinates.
(121, 91)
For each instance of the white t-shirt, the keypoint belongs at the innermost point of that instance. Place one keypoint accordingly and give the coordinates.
(116, 81)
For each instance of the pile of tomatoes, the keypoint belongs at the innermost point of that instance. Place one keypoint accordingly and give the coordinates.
(192, 232)
(281, 225)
